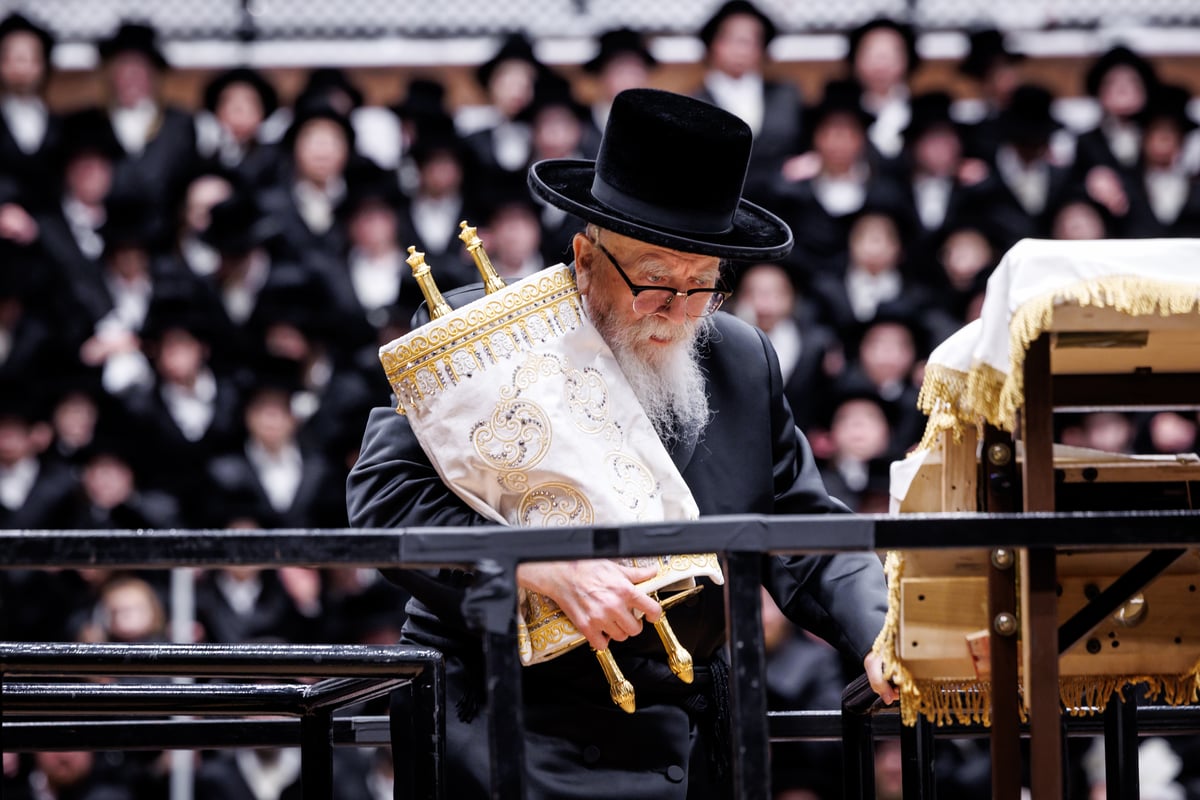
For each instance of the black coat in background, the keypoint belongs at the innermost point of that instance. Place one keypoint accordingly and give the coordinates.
(750, 459)
(779, 137)
(36, 174)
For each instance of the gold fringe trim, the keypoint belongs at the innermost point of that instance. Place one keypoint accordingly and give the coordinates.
(941, 389)
(946, 702)
(995, 396)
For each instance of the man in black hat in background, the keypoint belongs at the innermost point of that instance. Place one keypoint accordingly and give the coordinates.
(648, 269)
(30, 133)
(157, 139)
(735, 40)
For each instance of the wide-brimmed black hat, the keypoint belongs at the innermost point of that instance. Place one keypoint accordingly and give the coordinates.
(312, 109)
(1169, 101)
(174, 309)
(324, 83)
(552, 91)
(709, 30)
(619, 42)
(1028, 119)
(1115, 57)
(515, 47)
(425, 98)
(928, 111)
(19, 22)
(368, 185)
(986, 49)
(133, 37)
(670, 172)
(87, 131)
(841, 95)
(130, 220)
(856, 36)
(237, 225)
(267, 96)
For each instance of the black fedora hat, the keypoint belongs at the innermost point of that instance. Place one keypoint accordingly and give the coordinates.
(315, 108)
(986, 48)
(619, 41)
(332, 86)
(237, 225)
(929, 110)
(551, 90)
(425, 98)
(1117, 56)
(1169, 101)
(670, 172)
(133, 37)
(15, 22)
(267, 96)
(515, 47)
(906, 32)
(1028, 118)
(732, 8)
(87, 131)
(130, 220)
(840, 96)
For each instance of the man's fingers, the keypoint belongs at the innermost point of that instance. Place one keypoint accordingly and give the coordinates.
(643, 603)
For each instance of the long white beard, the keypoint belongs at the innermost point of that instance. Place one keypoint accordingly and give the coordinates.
(667, 380)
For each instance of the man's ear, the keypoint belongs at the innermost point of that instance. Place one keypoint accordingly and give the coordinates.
(581, 246)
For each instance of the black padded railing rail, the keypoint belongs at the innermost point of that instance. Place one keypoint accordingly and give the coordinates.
(494, 552)
(351, 674)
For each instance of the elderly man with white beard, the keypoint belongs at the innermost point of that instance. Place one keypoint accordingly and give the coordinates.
(663, 211)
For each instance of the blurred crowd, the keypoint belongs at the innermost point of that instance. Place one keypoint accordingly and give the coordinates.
(192, 299)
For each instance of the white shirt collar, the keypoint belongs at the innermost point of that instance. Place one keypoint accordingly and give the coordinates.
(1029, 183)
(511, 144)
(316, 204)
(742, 97)
(376, 281)
(16, 482)
(134, 126)
(436, 219)
(83, 222)
(241, 593)
(26, 118)
(268, 779)
(279, 473)
(1124, 139)
(192, 408)
(868, 291)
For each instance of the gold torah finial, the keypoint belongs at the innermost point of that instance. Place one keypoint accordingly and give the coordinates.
(438, 307)
(492, 282)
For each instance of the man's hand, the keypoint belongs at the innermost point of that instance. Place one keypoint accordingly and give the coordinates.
(873, 665)
(599, 596)
(1104, 186)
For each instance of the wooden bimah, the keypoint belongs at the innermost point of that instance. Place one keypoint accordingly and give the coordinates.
(1012, 636)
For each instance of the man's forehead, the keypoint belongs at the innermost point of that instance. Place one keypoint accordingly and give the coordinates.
(635, 249)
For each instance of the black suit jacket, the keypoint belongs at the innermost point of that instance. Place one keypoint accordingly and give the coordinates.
(1140, 222)
(36, 173)
(751, 459)
(49, 502)
(233, 474)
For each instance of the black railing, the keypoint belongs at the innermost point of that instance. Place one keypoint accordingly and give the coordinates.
(494, 553)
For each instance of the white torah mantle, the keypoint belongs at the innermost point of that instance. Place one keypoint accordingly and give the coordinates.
(525, 414)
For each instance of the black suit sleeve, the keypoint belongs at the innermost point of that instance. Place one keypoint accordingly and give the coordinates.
(840, 597)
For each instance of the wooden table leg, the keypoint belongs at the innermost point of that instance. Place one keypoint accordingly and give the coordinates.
(1039, 599)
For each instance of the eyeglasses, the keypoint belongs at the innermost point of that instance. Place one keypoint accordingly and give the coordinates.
(653, 299)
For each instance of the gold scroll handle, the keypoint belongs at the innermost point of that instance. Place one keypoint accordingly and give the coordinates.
(438, 307)
(680, 660)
